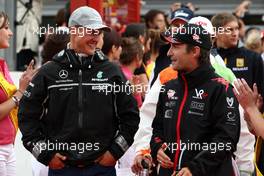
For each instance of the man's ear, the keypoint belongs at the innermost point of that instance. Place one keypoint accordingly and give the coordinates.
(196, 51)
(141, 39)
(113, 48)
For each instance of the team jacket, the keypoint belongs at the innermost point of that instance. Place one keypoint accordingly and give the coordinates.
(245, 64)
(80, 107)
(197, 109)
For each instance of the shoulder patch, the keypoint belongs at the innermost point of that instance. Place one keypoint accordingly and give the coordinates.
(167, 74)
(223, 82)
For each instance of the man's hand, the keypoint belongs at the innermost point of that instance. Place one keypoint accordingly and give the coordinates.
(258, 98)
(244, 94)
(175, 6)
(183, 172)
(106, 159)
(242, 8)
(57, 161)
(137, 166)
(163, 159)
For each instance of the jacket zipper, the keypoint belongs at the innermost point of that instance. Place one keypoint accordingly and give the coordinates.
(179, 122)
(80, 119)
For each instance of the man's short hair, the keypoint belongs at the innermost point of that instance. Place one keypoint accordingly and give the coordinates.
(135, 30)
(221, 19)
(204, 57)
(61, 17)
(111, 39)
(131, 48)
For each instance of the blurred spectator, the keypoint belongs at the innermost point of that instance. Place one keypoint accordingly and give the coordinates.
(54, 43)
(112, 45)
(131, 59)
(262, 44)
(28, 20)
(155, 44)
(240, 12)
(242, 30)
(155, 19)
(178, 5)
(244, 63)
(253, 41)
(242, 8)
(251, 29)
(101, 41)
(60, 18)
(138, 31)
(178, 18)
(181, 16)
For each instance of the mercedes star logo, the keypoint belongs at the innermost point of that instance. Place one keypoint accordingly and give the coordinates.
(63, 74)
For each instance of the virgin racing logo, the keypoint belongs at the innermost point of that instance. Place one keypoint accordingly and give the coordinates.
(200, 94)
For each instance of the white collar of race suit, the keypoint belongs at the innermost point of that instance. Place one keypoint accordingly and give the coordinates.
(79, 54)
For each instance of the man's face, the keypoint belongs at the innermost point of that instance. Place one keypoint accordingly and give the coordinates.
(229, 36)
(177, 22)
(181, 60)
(85, 40)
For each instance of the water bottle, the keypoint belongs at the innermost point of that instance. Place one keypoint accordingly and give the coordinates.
(145, 171)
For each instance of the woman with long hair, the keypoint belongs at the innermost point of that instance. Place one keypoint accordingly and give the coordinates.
(9, 101)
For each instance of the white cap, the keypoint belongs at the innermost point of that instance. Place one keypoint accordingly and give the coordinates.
(204, 22)
(87, 17)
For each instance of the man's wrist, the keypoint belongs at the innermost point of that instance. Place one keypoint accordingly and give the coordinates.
(251, 110)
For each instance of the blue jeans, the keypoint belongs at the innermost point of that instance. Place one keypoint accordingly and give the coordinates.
(96, 170)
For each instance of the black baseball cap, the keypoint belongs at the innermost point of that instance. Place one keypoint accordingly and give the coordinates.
(135, 30)
(189, 34)
(183, 13)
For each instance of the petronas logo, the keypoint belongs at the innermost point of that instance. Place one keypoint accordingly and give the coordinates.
(99, 75)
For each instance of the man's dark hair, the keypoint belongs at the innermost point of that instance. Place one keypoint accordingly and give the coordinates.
(150, 15)
(204, 54)
(111, 39)
(61, 17)
(53, 44)
(135, 30)
(131, 48)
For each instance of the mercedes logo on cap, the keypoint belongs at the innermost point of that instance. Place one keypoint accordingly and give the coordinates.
(63, 74)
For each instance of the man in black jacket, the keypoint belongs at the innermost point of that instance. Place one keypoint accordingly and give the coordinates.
(243, 62)
(197, 123)
(78, 115)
